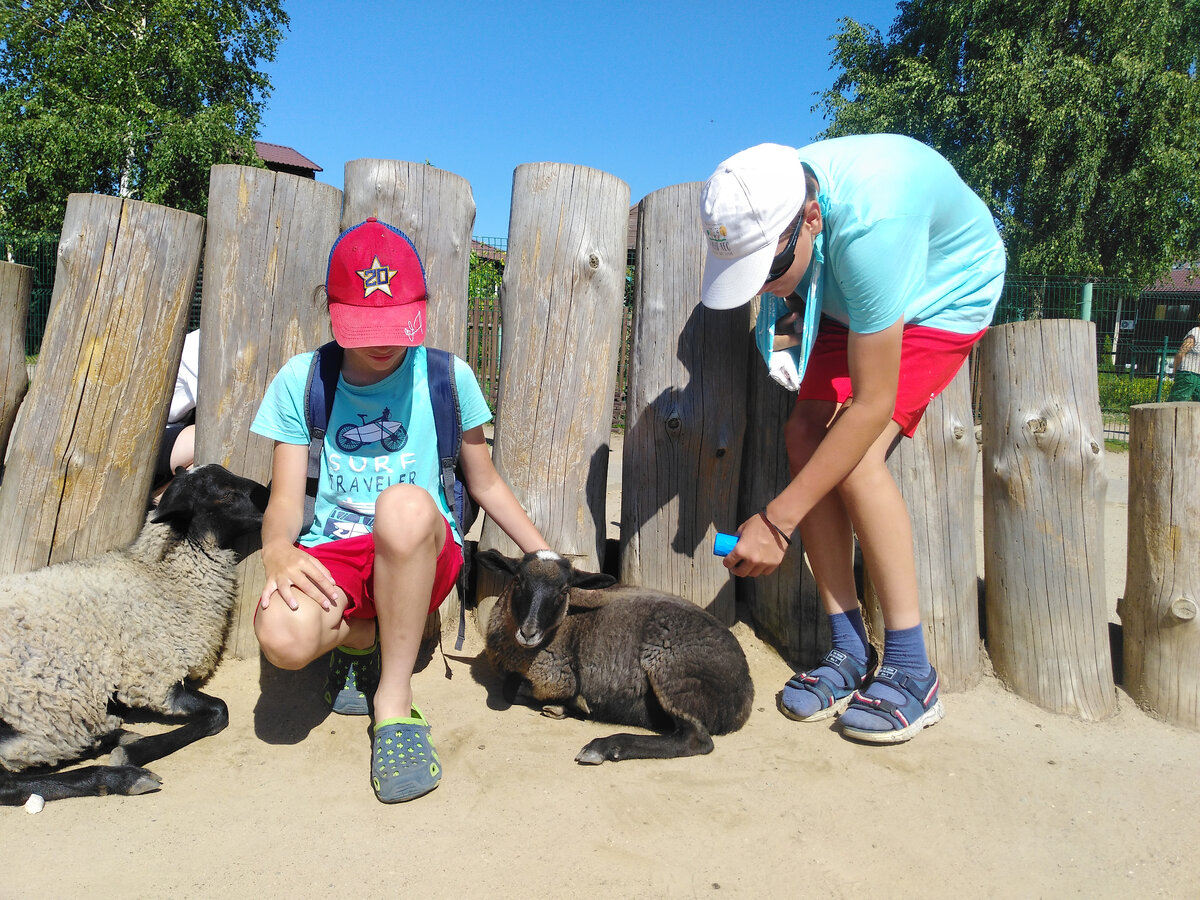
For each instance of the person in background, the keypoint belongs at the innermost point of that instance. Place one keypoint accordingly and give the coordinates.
(179, 436)
(1186, 385)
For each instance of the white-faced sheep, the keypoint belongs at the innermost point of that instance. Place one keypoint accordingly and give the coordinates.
(81, 641)
(621, 654)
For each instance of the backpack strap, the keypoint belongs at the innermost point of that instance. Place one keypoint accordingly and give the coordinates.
(447, 420)
(318, 391)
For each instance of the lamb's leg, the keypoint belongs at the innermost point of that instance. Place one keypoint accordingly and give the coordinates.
(688, 739)
(205, 716)
(90, 781)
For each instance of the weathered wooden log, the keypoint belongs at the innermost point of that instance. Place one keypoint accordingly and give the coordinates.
(436, 209)
(16, 284)
(784, 605)
(561, 304)
(1162, 577)
(82, 459)
(269, 236)
(684, 414)
(936, 474)
(1043, 491)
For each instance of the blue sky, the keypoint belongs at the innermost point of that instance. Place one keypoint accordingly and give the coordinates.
(654, 93)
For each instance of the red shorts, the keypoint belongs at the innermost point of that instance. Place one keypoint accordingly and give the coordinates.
(929, 360)
(351, 562)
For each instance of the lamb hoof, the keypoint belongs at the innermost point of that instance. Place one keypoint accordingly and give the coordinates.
(554, 712)
(589, 757)
(146, 783)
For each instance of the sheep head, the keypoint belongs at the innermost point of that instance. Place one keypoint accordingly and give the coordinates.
(210, 501)
(540, 592)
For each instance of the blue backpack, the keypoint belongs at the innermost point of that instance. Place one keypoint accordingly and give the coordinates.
(447, 419)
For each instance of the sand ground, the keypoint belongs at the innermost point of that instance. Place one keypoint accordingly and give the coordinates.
(1000, 799)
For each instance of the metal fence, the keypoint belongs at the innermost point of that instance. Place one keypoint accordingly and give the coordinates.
(1137, 332)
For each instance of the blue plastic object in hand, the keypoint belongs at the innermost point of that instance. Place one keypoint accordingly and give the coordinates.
(723, 543)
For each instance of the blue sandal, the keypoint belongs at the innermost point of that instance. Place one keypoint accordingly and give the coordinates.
(921, 707)
(404, 762)
(833, 698)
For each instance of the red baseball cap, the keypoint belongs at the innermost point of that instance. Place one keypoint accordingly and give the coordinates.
(376, 288)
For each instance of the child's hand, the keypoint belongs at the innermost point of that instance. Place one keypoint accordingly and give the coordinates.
(292, 574)
(758, 551)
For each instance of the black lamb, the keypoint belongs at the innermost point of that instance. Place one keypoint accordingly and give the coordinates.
(618, 653)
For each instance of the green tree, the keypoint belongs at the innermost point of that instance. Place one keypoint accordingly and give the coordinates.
(1078, 121)
(137, 98)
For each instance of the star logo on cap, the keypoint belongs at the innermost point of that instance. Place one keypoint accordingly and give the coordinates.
(377, 278)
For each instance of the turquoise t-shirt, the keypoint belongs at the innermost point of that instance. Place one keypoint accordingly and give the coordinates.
(904, 237)
(378, 435)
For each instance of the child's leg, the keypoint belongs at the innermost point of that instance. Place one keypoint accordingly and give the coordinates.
(829, 544)
(409, 534)
(291, 639)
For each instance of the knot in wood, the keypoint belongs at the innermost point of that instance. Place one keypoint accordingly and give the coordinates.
(721, 451)
(1037, 426)
(1095, 447)
(1183, 609)
(594, 261)
(674, 424)
(959, 431)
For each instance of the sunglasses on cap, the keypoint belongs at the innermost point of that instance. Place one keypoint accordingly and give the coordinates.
(784, 259)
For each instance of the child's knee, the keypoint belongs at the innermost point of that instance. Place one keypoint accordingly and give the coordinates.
(406, 519)
(805, 429)
(287, 637)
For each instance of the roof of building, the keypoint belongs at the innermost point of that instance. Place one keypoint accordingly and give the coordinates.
(283, 156)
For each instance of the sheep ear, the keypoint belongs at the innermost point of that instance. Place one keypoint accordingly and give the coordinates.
(591, 581)
(496, 561)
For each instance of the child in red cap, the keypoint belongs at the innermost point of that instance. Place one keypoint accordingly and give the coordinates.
(382, 550)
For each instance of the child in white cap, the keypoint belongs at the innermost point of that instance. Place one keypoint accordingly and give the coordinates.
(382, 550)
(896, 267)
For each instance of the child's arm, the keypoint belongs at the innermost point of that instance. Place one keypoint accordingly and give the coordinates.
(874, 363)
(493, 495)
(291, 573)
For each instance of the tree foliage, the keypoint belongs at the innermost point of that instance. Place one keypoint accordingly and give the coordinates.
(1078, 121)
(137, 98)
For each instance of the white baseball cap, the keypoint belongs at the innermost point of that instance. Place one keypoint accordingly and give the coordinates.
(745, 206)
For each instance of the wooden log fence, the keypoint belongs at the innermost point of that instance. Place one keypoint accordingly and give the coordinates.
(16, 285)
(1161, 628)
(704, 438)
(561, 300)
(82, 458)
(269, 236)
(683, 434)
(1043, 495)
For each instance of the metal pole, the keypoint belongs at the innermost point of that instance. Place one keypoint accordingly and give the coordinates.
(1162, 371)
(1085, 302)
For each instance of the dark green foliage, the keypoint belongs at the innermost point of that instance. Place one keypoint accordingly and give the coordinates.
(138, 98)
(1077, 121)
